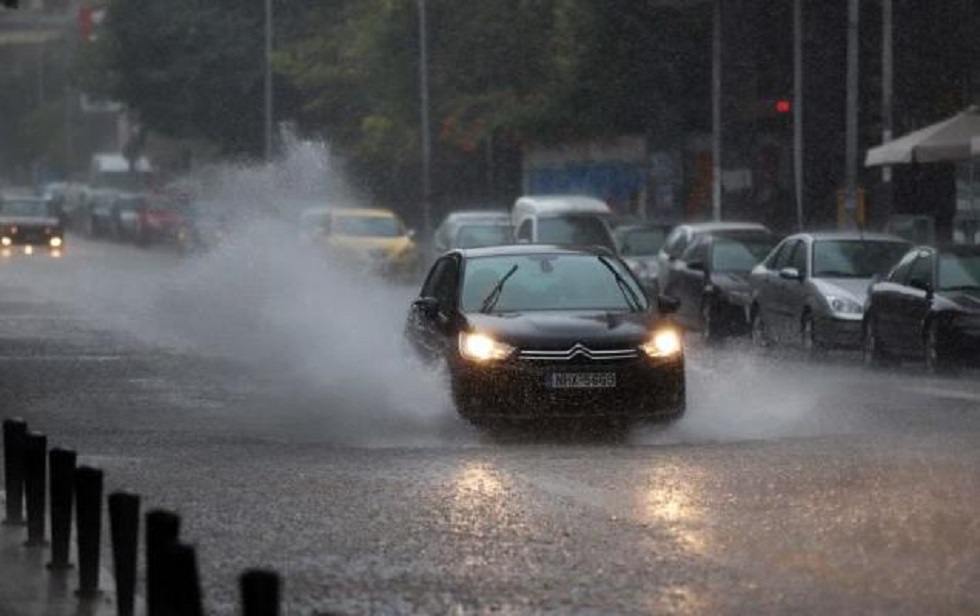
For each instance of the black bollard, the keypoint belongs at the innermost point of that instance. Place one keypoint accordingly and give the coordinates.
(124, 520)
(14, 434)
(62, 463)
(88, 505)
(260, 592)
(182, 581)
(35, 486)
(162, 530)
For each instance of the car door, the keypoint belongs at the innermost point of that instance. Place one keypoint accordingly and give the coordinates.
(686, 283)
(431, 322)
(676, 243)
(912, 303)
(786, 294)
(763, 277)
(885, 300)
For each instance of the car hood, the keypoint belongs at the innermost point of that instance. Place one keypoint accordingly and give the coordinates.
(852, 288)
(29, 221)
(967, 301)
(561, 330)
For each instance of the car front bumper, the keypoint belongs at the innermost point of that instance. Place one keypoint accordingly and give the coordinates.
(521, 389)
(839, 333)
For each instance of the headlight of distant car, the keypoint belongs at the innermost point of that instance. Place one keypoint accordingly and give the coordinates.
(481, 347)
(664, 342)
(5, 241)
(55, 242)
(843, 305)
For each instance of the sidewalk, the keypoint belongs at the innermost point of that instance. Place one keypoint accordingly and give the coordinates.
(27, 588)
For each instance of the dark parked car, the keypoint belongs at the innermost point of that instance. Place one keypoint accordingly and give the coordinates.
(472, 229)
(30, 222)
(532, 331)
(928, 308)
(811, 289)
(711, 280)
(638, 245)
(682, 235)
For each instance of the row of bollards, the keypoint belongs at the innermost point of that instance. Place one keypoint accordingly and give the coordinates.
(172, 577)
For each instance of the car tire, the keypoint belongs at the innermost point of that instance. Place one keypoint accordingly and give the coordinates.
(760, 333)
(811, 346)
(935, 359)
(709, 325)
(872, 354)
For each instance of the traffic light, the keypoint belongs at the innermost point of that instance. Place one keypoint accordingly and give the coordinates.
(782, 106)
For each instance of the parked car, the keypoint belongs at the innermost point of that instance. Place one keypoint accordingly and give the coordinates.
(532, 331)
(29, 222)
(472, 229)
(375, 238)
(811, 289)
(711, 281)
(638, 244)
(682, 235)
(568, 220)
(926, 309)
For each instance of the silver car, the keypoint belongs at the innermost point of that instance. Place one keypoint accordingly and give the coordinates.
(811, 288)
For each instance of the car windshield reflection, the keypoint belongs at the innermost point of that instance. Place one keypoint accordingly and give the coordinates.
(854, 258)
(959, 272)
(549, 282)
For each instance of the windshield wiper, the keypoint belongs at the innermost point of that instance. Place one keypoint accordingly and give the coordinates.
(491, 299)
(628, 294)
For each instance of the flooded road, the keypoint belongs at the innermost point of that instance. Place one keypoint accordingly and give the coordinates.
(267, 398)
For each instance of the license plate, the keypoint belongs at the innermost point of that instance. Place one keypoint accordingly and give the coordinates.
(582, 380)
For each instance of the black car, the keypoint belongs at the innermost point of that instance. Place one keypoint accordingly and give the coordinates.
(531, 331)
(30, 222)
(711, 280)
(928, 308)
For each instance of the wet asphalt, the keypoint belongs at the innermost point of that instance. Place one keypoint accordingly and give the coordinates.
(270, 405)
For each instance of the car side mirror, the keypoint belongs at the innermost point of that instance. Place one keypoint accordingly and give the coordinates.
(790, 273)
(921, 285)
(667, 304)
(426, 306)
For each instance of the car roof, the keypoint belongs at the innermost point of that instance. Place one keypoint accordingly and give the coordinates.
(710, 227)
(955, 249)
(530, 249)
(470, 215)
(547, 204)
(850, 235)
(641, 226)
(372, 212)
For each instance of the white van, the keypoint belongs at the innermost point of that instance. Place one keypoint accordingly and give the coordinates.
(562, 219)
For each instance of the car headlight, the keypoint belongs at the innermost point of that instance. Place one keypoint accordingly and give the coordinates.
(481, 347)
(664, 342)
(55, 242)
(843, 305)
(5, 241)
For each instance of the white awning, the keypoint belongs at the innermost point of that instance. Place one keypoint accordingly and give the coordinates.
(949, 140)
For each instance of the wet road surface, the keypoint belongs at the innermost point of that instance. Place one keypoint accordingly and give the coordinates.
(270, 405)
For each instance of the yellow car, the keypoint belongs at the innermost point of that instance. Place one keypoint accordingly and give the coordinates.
(372, 236)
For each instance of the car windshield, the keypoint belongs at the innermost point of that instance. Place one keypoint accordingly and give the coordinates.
(728, 255)
(367, 226)
(28, 208)
(574, 230)
(549, 282)
(959, 271)
(642, 242)
(477, 235)
(855, 258)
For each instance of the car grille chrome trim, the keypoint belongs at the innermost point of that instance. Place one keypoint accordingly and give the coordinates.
(578, 350)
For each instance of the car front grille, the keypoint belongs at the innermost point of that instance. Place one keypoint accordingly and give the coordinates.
(578, 352)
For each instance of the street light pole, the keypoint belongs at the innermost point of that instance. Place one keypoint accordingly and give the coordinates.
(424, 104)
(716, 141)
(851, 152)
(798, 110)
(267, 149)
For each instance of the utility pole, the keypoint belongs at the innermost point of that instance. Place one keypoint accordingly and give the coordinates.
(424, 104)
(716, 142)
(887, 93)
(798, 109)
(267, 132)
(850, 173)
